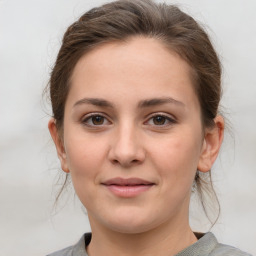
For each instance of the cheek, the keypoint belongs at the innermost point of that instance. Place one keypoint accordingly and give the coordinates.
(85, 156)
(177, 157)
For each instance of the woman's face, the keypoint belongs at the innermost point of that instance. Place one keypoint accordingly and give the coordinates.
(133, 137)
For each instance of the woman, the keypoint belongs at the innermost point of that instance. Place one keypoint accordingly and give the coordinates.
(135, 92)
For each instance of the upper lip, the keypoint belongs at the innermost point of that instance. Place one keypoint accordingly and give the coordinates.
(127, 182)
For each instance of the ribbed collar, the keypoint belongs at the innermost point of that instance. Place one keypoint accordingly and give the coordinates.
(202, 247)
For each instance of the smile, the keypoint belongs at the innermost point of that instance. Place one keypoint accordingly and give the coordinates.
(127, 187)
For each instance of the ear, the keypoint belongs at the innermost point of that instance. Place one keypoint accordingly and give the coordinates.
(211, 145)
(58, 144)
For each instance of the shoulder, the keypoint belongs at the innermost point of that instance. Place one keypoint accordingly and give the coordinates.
(64, 252)
(217, 249)
(226, 250)
(79, 249)
(207, 245)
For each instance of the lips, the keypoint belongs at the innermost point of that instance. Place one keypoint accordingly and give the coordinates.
(128, 187)
(127, 182)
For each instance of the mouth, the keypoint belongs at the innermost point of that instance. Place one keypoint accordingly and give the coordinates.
(128, 187)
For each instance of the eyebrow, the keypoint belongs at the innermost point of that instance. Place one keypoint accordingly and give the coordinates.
(94, 101)
(159, 101)
(142, 104)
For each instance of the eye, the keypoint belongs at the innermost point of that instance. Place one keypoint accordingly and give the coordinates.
(95, 120)
(160, 120)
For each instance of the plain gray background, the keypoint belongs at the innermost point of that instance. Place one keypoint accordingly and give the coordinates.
(30, 35)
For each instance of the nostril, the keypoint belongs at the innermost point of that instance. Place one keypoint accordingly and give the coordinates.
(126, 154)
(125, 163)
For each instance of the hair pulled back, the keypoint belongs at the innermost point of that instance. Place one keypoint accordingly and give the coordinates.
(123, 19)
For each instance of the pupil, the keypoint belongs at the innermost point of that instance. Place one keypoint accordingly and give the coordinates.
(159, 120)
(97, 120)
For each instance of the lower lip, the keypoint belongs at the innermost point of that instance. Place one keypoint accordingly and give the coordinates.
(128, 191)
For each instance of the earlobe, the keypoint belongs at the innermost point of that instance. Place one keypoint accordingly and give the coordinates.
(211, 145)
(58, 144)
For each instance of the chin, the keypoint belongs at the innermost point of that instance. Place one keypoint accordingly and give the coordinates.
(131, 224)
(130, 229)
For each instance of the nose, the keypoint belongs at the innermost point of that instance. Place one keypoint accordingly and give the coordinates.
(126, 147)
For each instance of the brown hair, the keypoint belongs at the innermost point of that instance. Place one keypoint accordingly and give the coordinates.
(122, 19)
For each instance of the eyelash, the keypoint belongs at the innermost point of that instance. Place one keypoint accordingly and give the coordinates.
(167, 119)
(85, 120)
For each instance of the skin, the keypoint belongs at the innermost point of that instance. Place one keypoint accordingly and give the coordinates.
(130, 140)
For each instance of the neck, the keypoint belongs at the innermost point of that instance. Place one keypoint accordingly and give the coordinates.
(163, 240)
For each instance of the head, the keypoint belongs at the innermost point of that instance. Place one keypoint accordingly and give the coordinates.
(120, 30)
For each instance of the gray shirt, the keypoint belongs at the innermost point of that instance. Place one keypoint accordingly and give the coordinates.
(207, 245)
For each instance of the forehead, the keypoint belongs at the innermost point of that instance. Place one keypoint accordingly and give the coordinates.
(141, 64)
(142, 51)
